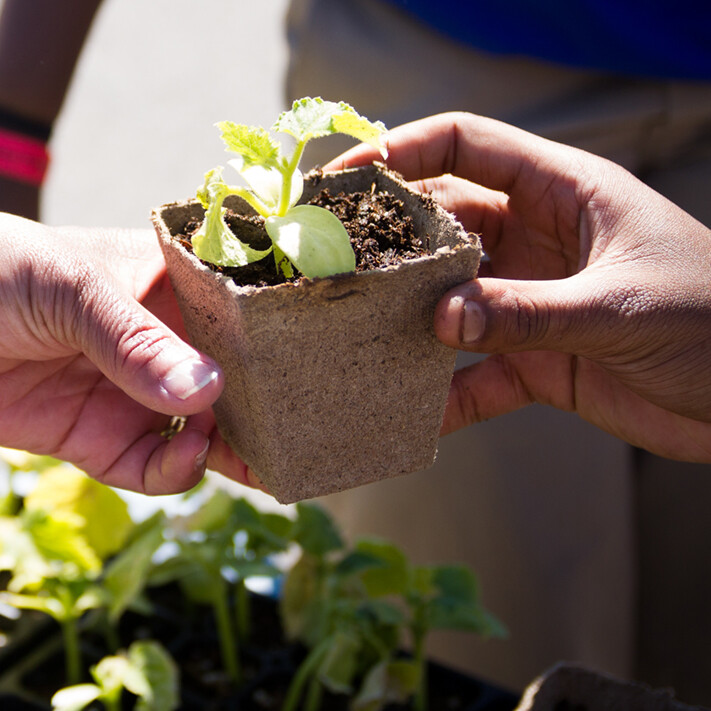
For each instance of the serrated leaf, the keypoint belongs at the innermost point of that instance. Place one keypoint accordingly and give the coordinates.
(360, 128)
(313, 118)
(252, 143)
(314, 240)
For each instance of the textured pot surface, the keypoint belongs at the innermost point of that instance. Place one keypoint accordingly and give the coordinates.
(567, 686)
(330, 383)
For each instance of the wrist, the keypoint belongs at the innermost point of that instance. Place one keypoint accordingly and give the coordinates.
(23, 148)
(24, 159)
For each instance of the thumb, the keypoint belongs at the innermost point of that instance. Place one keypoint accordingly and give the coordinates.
(143, 357)
(507, 316)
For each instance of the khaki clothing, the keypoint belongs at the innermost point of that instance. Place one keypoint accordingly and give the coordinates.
(588, 550)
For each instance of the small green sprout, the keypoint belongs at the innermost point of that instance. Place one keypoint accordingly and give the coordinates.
(307, 237)
(146, 670)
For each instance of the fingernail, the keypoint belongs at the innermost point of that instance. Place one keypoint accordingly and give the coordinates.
(188, 377)
(472, 322)
(201, 457)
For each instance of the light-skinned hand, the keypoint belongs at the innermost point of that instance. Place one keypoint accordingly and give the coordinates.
(93, 363)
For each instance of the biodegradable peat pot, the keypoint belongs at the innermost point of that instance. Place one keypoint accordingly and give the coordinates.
(570, 687)
(336, 382)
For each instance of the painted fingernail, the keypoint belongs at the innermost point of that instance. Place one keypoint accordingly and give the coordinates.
(472, 322)
(188, 377)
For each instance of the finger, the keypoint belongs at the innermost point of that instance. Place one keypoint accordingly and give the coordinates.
(479, 149)
(143, 356)
(479, 209)
(504, 383)
(155, 466)
(508, 316)
(223, 460)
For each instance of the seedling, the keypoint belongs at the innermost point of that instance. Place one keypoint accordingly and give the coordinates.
(307, 237)
(55, 548)
(224, 542)
(146, 670)
(352, 608)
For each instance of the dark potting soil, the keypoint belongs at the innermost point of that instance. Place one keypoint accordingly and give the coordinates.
(268, 663)
(380, 232)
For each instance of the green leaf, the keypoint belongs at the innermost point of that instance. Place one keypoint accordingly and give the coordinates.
(103, 514)
(315, 531)
(110, 673)
(252, 143)
(19, 460)
(153, 676)
(456, 604)
(212, 515)
(456, 581)
(49, 605)
(201, 585)
(75, 698)
(340, 663)
(299, 594)
(358, 127)
(313, 118)
(385, 613)
(60, 538)
(356, 562)
(214, 242)
(19, 554)
(314, 240)
(390, 578)
(390, 682)
(127, 574)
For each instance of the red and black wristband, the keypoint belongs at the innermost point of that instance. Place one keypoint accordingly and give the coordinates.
(23, 149)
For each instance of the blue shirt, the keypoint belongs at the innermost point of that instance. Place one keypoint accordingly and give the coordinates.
(657, 38)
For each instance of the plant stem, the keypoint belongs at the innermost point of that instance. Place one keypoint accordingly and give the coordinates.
(420, 699)
(307, 667)
(314, 695)
(287, 172)
(242, 610)
(228, 646)
(111, 635)
(72, 653)
(112, 702)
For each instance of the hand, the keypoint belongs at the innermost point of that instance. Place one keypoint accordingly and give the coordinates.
(91, 363)
(596, 297)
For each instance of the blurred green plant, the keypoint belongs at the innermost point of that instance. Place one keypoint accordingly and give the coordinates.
(70, 547)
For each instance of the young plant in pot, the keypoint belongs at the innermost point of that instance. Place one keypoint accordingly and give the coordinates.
(334, 377)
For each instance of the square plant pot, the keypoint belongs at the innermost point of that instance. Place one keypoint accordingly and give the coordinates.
(569, 686)
(335, 382)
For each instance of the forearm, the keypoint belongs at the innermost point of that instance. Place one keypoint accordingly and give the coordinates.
(40, 42)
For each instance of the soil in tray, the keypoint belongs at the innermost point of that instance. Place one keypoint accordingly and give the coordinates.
(380, 232)
(268, 662)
